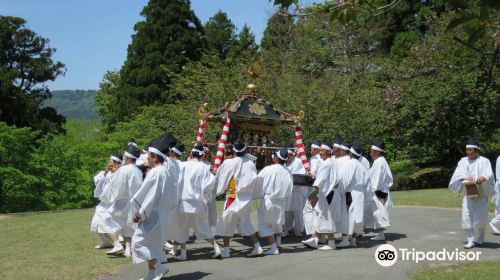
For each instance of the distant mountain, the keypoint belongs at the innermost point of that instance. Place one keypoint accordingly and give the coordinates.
(77, 104)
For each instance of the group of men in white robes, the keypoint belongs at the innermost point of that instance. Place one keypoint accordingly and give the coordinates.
(348, 195)
(474, 178)
(114, 188)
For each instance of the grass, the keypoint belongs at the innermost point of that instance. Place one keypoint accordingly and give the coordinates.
(431, 197)
(59, 245)
(471, 270)
(54, 245)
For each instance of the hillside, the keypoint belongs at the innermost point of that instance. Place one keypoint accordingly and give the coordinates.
(77, 104)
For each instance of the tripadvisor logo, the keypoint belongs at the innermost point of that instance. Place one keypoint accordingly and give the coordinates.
(387, 255)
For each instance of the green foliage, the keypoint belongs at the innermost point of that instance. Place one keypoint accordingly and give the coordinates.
(54, 172)
(76, 104)
(444, 97)
(106, 99)
(25, 65)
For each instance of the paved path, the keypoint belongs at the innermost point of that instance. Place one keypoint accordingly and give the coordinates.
(421, 228)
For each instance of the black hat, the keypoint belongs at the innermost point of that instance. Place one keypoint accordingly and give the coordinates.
(356, 148)
(337, 143)
(472, 144)
(239, 146)
(198, 150)
(378, 145)
(179, 148)
(158, 147)
(282, 153)
(132, 152)
(132, 142)
(345, 146)
(327, 146)
(315, 144)
(116, 157)
(169, 139)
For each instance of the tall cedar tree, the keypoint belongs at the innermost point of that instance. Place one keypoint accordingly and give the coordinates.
(25, 65)
(221, 33)
(169, 37)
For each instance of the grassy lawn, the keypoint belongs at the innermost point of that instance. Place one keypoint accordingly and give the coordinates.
(54, 245)
(476, 270)
(431, 197)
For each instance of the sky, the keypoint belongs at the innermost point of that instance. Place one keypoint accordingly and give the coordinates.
(91, 36)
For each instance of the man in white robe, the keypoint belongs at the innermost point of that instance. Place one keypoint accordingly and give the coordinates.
(356, 182)
(236, 178)
(315, 159)
(294, 218)
(380, 183)
(495, 222)
(101, 181)
(322, 209)
(118, 217)
(195, 192)
(153, 203)
(344, 166)
(474, 177)
(274, 186)
(212, 210)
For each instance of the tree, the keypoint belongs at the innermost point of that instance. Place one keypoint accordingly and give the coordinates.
(245, 45)
(106, 99)
(220, 32)
(170, 36)
(25, 65)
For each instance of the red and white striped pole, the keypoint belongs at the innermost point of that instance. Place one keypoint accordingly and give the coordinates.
(300, 147)
(201, 130)
(222, 144)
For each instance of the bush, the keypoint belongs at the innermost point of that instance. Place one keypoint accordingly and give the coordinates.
(425, 178)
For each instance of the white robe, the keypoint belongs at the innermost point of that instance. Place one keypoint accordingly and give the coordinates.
(274, 185)
(195, 193)
(365, 162)
(322, 217)
(496, 198)
(380, 180)
(244, 173)
(153, 203)
(125, 183)
(101, 181)
(315, 162)
(474, 209)
(343, 167)
(298, 199)
(212, 209)
(356, 182)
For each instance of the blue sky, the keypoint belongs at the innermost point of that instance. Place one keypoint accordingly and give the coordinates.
(91, 36)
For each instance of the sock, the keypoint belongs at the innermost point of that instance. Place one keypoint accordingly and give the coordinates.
(216, 247)
(256, 246)
(316, 238)
(117, 244)
(345, 239)
(331, 243)
(183, 253)
(278, 241)
(226, 250)
(469, 235)
(273, 247)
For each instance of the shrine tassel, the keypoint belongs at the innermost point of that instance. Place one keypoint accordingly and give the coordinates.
(300, 147)
(222, 143)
